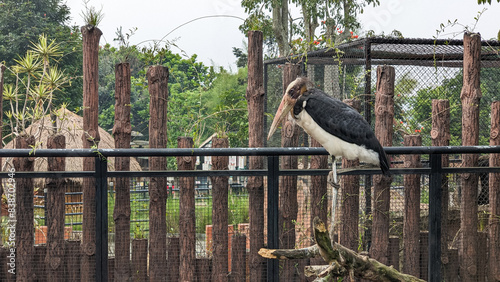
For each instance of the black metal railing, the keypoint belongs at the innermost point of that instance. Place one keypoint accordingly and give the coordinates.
(272, 172)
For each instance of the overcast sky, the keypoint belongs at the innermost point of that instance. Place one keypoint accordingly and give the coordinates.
(212, 38)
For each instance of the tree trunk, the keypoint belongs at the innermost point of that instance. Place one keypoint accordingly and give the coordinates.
(25, 250)
(55, 212)
(470, 96)
(288, 205)
(90, 36)
(440, 135)
(255, 185)
(411, 223)
(122, 135)
(494, 221)
(280, 26)
(158, 91)
(384, 115)
(187, 231)
(349, 210)
(219, 214)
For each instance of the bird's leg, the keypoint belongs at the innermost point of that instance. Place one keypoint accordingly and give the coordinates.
(333, 181)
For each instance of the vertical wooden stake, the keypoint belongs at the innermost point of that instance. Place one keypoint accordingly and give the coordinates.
(411, 223)
(255, 185)
(25, 250)
(349, 210)
(187, 231)
(470, 96)
(384, 116)
(219, 213)
(288, 205)
(494, 221)
(440, 135)
(122, 135)
(90, 138)
(55, 212)
(158, 91)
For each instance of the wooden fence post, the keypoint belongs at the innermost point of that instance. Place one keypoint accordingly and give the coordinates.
(220, 237)
(494, 221)
(25, 250)
(158, 91)
(122, 134)
(73, 260)
(255, 184)
(349, 210)
(384, 116)
(470, 97)
(440, 135)
(411, 223)
(174, 258)
(187, 230)
(288, 206)
(90, 138)
(140, 260)
(238, 257)
(55, 212)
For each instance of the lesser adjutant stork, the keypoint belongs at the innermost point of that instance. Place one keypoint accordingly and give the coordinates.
(341, 130)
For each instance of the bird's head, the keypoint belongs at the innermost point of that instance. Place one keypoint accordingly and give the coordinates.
(294, 90)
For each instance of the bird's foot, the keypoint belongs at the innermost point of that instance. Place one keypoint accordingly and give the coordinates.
(333, 181)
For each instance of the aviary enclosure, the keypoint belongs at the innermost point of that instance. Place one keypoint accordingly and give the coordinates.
(436, 218)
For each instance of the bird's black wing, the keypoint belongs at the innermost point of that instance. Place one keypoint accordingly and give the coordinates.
(341, 120)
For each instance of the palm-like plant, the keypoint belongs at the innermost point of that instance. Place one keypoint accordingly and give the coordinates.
(37, 80)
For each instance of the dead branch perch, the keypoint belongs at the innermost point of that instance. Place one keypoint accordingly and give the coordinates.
(341, 261)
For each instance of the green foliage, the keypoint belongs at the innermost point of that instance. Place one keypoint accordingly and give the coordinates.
(421, 106)
(37, 81)
(22, 22)
(201, 100)
(91, 16)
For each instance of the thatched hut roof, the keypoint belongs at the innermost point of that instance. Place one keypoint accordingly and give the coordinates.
(71, 126)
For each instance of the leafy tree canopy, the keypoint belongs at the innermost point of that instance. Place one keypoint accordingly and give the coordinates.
(22, 22)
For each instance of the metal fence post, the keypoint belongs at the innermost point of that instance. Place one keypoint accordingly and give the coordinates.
(272, 215)
(435, 191)
(101, 169)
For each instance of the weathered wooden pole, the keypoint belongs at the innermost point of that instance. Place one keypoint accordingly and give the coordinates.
(158, 92)
(255, 184)
(238, 257)
(220, 185)
(440, 135)
(470, 97)
(140, 260)
(494, 220)
(319, 192)
(349, 210)
(384, 115)
(122, 134)
(411, 223)
(56, 246)
(288, 205)
(173, 251)
(187, 224)
(90, 138)
(24, 232)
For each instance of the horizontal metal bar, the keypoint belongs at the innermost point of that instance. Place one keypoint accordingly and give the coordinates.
(268, 151)
(285, 172)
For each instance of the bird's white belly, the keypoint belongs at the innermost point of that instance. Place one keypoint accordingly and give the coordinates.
(334, 145)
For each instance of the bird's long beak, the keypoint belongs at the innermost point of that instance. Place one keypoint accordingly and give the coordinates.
(283, 110)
